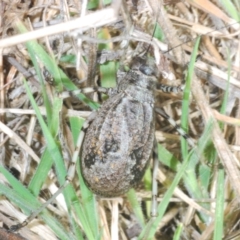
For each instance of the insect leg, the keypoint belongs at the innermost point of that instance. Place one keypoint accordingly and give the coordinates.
(69, 177)
(176, 126)
(85, 90)
(166, 88)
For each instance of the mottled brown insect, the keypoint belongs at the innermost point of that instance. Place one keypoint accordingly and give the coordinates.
(118, 143)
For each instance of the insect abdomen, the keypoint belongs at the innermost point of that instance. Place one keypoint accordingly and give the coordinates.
(117, 146)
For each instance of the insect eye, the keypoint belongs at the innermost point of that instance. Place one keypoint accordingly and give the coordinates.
(146, 70)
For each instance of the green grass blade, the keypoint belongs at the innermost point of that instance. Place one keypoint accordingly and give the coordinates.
(178, 232)
(229, 7)
(226, 93)
(41, 173)
(219, 214)
(186, 95)
(167, 158)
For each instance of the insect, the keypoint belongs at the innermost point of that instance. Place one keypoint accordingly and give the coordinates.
(118, 144)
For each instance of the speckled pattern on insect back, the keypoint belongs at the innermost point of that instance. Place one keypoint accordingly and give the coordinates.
(118, 143)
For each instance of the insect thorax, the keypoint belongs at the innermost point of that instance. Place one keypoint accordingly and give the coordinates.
(139, 82)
